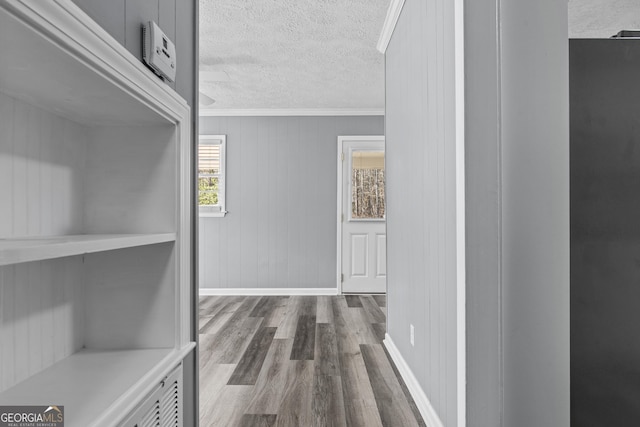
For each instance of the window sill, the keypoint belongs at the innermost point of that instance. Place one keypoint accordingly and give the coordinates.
(212, 214)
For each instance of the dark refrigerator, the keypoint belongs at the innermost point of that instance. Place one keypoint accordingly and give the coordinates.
(605, 232)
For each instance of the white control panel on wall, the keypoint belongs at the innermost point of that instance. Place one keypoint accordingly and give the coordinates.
(158, 52)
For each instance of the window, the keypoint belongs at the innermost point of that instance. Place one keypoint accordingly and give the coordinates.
(211, 175)
(367, 185)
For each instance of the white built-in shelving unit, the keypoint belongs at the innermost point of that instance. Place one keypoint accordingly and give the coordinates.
(95, 223)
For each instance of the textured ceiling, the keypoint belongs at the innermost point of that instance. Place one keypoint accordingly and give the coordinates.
(292, 53)
(602, 18)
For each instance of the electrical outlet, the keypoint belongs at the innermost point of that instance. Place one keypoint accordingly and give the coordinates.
(412, 335)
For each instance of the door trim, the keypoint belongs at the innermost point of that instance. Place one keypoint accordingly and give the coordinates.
(341, 141)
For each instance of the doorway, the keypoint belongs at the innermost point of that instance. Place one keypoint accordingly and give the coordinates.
(362, 230)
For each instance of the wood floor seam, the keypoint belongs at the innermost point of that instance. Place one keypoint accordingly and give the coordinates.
(299, 361)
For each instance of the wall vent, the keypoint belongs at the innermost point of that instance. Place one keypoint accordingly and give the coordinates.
(152, 417)
(163, 407)
(170, 413)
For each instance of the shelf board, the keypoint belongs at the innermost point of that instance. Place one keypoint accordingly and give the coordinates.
(97, 387)
(27, 249)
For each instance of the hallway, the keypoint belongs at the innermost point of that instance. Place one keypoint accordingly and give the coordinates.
(299, 361)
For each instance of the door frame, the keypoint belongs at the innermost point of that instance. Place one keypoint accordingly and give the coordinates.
(340, 160)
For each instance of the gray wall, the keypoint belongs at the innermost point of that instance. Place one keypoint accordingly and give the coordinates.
(517, 196)
(280, 231)
(605, 232)
(535, 212)
(421, 238)
(517, 207)
(177, 18)
(483, 227)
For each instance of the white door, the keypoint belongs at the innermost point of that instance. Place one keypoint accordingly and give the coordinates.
(362, 225)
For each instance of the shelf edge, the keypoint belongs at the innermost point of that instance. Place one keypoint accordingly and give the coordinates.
(63, 249)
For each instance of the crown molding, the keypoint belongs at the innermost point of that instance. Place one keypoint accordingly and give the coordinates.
(393, 14)
(292, 112)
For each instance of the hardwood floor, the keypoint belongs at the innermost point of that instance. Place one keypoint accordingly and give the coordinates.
(299, 361)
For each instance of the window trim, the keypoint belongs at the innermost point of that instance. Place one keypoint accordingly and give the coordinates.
(218, 210)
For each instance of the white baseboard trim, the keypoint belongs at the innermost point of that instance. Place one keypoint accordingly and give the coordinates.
(429, 414)
(267, 291)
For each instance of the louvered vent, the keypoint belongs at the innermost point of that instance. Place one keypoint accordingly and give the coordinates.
(151, 418)
(144, 42)
(163, 407)
(170, 406)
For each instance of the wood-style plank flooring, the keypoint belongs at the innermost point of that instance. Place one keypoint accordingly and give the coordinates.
(299, 361)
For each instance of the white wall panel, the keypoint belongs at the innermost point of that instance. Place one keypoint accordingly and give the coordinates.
(41, 163)
(130, 180)
(6, 163)
(145, 312)
(41, 316)
(280, 231)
